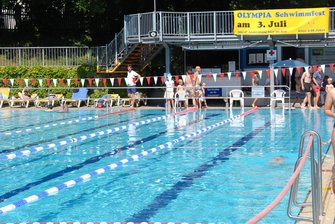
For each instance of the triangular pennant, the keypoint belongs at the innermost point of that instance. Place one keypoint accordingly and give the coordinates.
(97, 80)
(162, 79)
(244, 75)
(208, 76)
(222, 75)
(61, 82)
(33, 82)
(229, 75)
(260, 72)
(141, 80)
(323, 68)
(47, 82)
(155, 80)
(291, 70)
(40, 81)
(268, 72)
(5, 82)
(184, 78)
(112, 81)
(283, 71)
(68, 81)
(315, 67)
(331, 67)
(119, 81)
(82, 82)
(276, 72)
(148, 80)
(75, 81)
(54, 82)
(299, 70)
(104, 81)
(26, 82)
(237, 74)
(90, 80)
(11, 82)
(214, 76)
(200, 77)
(19, 82)
(176, 78)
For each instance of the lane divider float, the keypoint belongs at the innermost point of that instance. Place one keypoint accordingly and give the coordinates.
(7, 133)
(86, 177)
(82, 138)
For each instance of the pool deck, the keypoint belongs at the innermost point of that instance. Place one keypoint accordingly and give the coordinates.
(328, 197)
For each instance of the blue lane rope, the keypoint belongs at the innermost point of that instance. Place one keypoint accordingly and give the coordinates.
(28, 130)
(82, 138)
(86, 177)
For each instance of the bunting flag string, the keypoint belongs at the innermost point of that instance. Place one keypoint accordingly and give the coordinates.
(244, 75)
(68, 81)
(260, 72)
(61, 82)
(54, 82)
(268, 72)
(299, 70)
(155, 80)
(162, 79)
(33, 82)
(237, 74)
(90, 80)
(5, 82)
(104, 81)
(82, 82)
(283, 71)
(148, 80)
(214, 76)
(19, 82)
(323, 67)
(119, 81)
(229, 75)
(47, 82)
(222, 75)
(291, 70)
(11, 82)
(112, 81)
(40, 81)
(26, 82)
(97, 80)
(141, 81)
(177, 78)
(184, 78)
(75, 81)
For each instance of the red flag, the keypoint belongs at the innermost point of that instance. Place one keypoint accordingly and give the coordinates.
(222, 75)
(90, 81)
(176, 78)
(252, 74)
(162, 79)
(192, 77)
(237, 75)
(19, 81)
(75, 81)
(61, 82)
(208, 76)
(119, 81)
(5, 82)
(283, 70)
(48, 82)
(315, 67)
(148, 80)
(299, 70)
(268, 72)
(33, 82)
(104, 80)
(331, 67)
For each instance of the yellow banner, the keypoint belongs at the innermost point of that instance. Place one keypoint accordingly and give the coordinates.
(281, 21)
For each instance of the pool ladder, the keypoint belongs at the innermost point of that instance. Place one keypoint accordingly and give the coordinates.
(315, 157)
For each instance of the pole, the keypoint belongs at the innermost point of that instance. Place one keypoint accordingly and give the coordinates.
(154, 17)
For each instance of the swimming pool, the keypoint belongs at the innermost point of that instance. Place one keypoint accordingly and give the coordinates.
(225, 175)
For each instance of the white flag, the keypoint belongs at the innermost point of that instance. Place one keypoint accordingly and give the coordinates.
(276, 72)
(306, 69)
(244, 74)
(55, 82)
(200, 76)
(82, 82)
(214, 76)
(291, 70)
(11, 81)
(155, 80)
(40, 81)
(141, 81)
(68, 82)
(229, 75)
(260, 72)
(184, 78)
(26, 82)
(126, 81)
(112, 81)
(97, 81)
(323, 68)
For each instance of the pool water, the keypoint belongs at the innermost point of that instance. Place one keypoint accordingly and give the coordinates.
(225, 175)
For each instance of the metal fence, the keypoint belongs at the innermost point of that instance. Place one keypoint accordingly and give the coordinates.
(46, 56)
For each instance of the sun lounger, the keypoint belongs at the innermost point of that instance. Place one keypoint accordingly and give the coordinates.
(4, 95)
(52, 99)
(77, 97)
(23, 102)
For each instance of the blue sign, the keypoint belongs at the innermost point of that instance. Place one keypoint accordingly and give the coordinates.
(257, 91)
(213, 92)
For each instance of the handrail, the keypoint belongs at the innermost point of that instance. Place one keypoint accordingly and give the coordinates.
(287, 187)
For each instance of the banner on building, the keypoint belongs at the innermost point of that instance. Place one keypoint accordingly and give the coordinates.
(281, 21)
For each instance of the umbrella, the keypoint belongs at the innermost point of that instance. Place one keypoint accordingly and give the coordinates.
(290, 63)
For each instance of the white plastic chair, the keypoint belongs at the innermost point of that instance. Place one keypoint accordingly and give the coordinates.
(178, 98)
(236, 95)
(277, 95)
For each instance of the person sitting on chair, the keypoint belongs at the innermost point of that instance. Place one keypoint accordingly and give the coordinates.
(23, 95)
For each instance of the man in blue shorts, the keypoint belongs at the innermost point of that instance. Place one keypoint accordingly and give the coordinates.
(132, 79)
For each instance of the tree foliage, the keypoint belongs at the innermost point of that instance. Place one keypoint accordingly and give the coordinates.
(94, 22)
